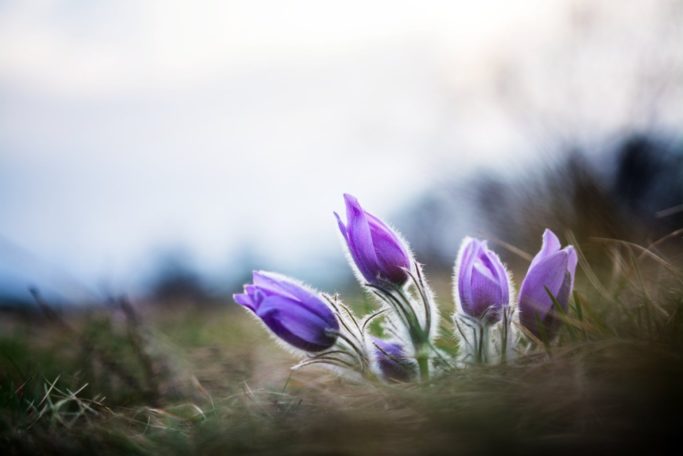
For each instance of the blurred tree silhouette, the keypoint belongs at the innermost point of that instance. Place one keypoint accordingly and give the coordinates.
(175, 279)
(636, 195)
(649, 181)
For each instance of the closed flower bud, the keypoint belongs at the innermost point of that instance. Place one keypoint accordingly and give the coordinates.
(375, 248)
(482, 287)
(392, 362)
(551, 271)
(291, 311)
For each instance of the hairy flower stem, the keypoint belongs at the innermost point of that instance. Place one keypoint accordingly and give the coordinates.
(474, 338)
(418, 332)
(481, 336)
(506, 340)
(422, 358)
(505, 334)
(414, 318)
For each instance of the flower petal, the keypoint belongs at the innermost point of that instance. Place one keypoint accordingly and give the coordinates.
(273, 284)
(501, 276)
(534, 302)
(297, 325)
(486, 293)
(572, 261)
(390, 257)
(467, 253)
(342, 227)
(550, 245)
(245, 300)
(360, 239)
(392, 361)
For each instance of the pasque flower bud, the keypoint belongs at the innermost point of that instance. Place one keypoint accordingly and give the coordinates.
(482, 287)
(551, 271)
(392, 362)
(294, 313)
(375, 248)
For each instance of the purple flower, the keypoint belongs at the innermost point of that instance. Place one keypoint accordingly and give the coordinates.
(292, 312)
(482, 286)
(552, 269)
(392, 362)
(377, 251)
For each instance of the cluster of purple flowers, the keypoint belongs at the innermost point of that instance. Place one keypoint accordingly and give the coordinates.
(486, 314)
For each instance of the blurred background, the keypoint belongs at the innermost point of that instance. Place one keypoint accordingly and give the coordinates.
(163, 149)
(153, 153)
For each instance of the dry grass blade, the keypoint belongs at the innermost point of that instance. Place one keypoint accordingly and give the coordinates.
(645, 252)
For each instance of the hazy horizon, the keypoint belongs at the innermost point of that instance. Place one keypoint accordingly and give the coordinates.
(129, 131)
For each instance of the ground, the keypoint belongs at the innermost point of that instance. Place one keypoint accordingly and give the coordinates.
(179, 378)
